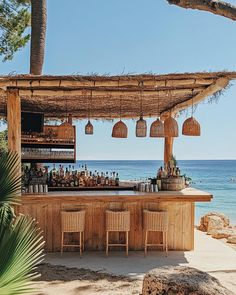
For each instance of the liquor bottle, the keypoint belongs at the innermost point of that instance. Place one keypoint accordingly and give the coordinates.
(117, 180)
(107, 179)
(113, 182)
(85, 170)
(98, 179)
(102, 179)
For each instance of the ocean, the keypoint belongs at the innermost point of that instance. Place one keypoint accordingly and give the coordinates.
(214, 176)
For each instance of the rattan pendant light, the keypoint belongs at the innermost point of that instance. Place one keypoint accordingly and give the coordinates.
(66, 130)
(171, 128)
(191, 127)
(141, 124)
(120, 129)
(89, 125)
(157, 127)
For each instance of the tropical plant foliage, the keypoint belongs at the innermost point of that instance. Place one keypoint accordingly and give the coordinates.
(3, 142)
(21, 242)
(14, 20)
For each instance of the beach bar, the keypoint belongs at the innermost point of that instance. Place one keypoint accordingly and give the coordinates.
(69, 98)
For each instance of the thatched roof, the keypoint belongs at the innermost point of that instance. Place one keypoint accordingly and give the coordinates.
(56, 96)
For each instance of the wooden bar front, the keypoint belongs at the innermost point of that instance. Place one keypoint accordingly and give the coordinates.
(179, 205)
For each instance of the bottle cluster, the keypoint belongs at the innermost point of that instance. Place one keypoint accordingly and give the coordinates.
(168, 171)
(71, 177)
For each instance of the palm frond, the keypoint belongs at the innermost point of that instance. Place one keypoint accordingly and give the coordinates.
(10, 180)
(21, 249)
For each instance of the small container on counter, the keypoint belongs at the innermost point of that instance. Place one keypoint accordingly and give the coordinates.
(40, 189)
(36, 189)
(31, 189)
(45, 188)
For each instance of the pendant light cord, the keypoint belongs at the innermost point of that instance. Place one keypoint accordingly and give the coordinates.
(192, 102)
(90, 104)
(141, 98)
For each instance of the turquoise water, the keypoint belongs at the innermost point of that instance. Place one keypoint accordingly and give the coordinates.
(215, 176)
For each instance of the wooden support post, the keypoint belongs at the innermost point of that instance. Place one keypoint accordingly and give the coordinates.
(14, 122)
(168, 149)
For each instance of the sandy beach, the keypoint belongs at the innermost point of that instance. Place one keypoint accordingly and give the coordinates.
(95, 274)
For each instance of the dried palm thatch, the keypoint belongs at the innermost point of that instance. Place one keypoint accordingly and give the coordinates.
(50, 94)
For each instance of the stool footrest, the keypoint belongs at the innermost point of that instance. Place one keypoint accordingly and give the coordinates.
(112, 245)
(71, 245)
(155, 245)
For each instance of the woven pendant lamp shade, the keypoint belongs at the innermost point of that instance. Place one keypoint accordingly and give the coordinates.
(191, 127)
(89, 128)
(66, 131)
(157, 129)
(171, 128)
(141, 127)
(120, 130)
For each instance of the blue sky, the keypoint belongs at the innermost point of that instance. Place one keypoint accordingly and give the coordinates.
(137, 37)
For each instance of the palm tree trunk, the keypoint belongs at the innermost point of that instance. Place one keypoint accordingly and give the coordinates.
(38, 35)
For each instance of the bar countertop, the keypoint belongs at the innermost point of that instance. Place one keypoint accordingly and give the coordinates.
(186, 195)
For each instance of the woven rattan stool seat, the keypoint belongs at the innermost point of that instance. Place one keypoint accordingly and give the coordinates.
(155, 221)
(73, 221)
(117, 221)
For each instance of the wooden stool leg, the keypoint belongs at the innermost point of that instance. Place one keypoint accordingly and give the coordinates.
(62, 242)
(107, 241)
(163, 240)
(127, 243)
(80, 244)
(145, 243)
(166, 241)
(83, 241)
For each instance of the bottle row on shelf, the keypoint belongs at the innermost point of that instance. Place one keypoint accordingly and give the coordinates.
(69, 177)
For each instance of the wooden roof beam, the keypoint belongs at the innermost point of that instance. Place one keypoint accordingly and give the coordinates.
(218, 85)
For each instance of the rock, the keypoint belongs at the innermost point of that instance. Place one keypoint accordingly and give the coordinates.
(221, 234)
(232, 239)
(214, 223)
(181, 280)
(205, 220)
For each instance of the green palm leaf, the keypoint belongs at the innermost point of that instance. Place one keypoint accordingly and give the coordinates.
(21, 243)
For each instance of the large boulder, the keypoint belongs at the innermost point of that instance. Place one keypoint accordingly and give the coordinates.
(232, 239)
(204, 222)
(222, 233)
(181, 280)
(214, 223)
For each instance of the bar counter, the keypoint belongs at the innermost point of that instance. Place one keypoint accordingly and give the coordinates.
(180, 206)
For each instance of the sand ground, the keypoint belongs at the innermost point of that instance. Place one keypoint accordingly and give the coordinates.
(95, 274)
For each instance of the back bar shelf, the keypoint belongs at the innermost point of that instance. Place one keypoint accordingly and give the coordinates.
(53, 145)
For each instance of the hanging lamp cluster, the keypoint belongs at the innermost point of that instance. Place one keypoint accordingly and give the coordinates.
(158, 128)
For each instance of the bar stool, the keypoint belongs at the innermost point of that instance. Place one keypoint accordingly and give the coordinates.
(156, 221)
(117, 221)
(73, 222)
